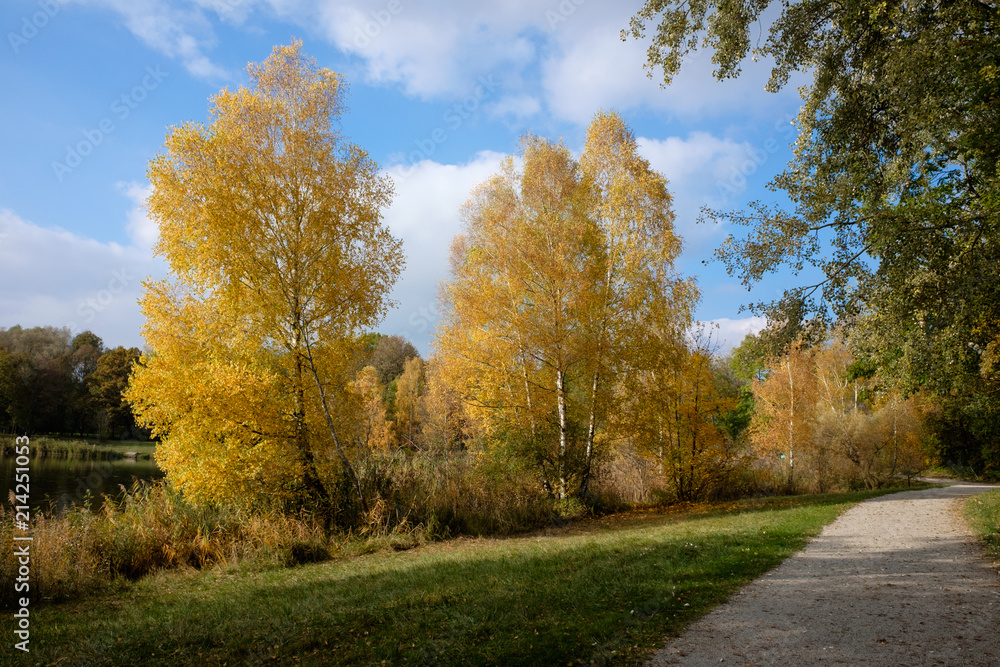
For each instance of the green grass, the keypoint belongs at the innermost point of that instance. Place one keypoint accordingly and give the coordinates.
(983, 513)
(604, 591)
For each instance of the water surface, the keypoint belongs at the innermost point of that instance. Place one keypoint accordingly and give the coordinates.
(57, 482)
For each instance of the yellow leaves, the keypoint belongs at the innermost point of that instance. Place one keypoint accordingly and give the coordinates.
(786, 401)
(409, 388)
(375, 431)
(561, 271)
(272, 227)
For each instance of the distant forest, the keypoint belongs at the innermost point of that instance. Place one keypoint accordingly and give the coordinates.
(52, 382)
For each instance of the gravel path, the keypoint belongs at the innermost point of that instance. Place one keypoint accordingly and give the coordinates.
(896, 580)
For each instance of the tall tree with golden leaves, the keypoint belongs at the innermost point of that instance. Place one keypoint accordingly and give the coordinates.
(786, 404)
(271, 223)
(551, 279)
(639, 290)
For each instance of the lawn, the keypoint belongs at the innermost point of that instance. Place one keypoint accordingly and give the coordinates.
(607, 591)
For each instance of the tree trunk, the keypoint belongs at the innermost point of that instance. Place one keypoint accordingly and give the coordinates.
(791, 426)
(310, 477)
(355, 482)
(591, 431)
(563, 431)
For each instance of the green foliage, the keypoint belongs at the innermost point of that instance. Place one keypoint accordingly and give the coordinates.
(736, 421)
(964, 432)
(45, 381)
(107, 384)
(895, 186)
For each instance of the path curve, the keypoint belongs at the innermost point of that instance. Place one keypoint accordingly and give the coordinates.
(895, 580)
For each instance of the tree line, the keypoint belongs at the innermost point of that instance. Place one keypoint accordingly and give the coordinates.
(52, 382)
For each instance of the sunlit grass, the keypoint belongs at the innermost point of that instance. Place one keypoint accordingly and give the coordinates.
(983, 513)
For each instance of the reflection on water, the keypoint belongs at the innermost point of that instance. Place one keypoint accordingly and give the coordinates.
(58, 482)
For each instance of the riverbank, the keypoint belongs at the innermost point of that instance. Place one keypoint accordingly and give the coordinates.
(60, 448)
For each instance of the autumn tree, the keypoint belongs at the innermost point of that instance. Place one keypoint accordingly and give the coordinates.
(441, 415)
(553, 272)
(374, 427)
(673, 409)
(106, 386)
(785, 405)
(270, 222)
(410, 387)
(390, 356)
(639, 290)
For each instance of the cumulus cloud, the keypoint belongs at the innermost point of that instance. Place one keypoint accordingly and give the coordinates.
(425, 215)
(698, 167)
(433, 49)
(729, 333)
(58, 278)
(141, 229)
(566, 53)
(588, 67)
(184, 32)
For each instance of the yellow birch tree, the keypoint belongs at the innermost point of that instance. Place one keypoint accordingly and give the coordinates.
(409, 388)
(786, 404)
(374, 428)
(551, 280)
(270, 222)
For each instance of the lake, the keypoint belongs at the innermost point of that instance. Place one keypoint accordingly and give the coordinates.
(67, 480)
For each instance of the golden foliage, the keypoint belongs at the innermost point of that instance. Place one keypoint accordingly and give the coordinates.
(271, 225)
(375, 430)
(552, 278)
(834, 427)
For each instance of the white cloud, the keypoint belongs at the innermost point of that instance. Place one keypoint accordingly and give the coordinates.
(183, 32)
(432, 49)
(61, 279)
(728, 333)
(515, 110)
(698, 168)
(588, 67)
(141, 229)
(425, 215)
(575, 62)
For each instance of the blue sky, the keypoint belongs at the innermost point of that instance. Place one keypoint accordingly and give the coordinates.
(438, 94)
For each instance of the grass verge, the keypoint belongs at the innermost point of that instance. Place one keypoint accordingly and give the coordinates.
(983, 514)
(605, 592)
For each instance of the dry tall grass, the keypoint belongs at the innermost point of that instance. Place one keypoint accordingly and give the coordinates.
(153, 528)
